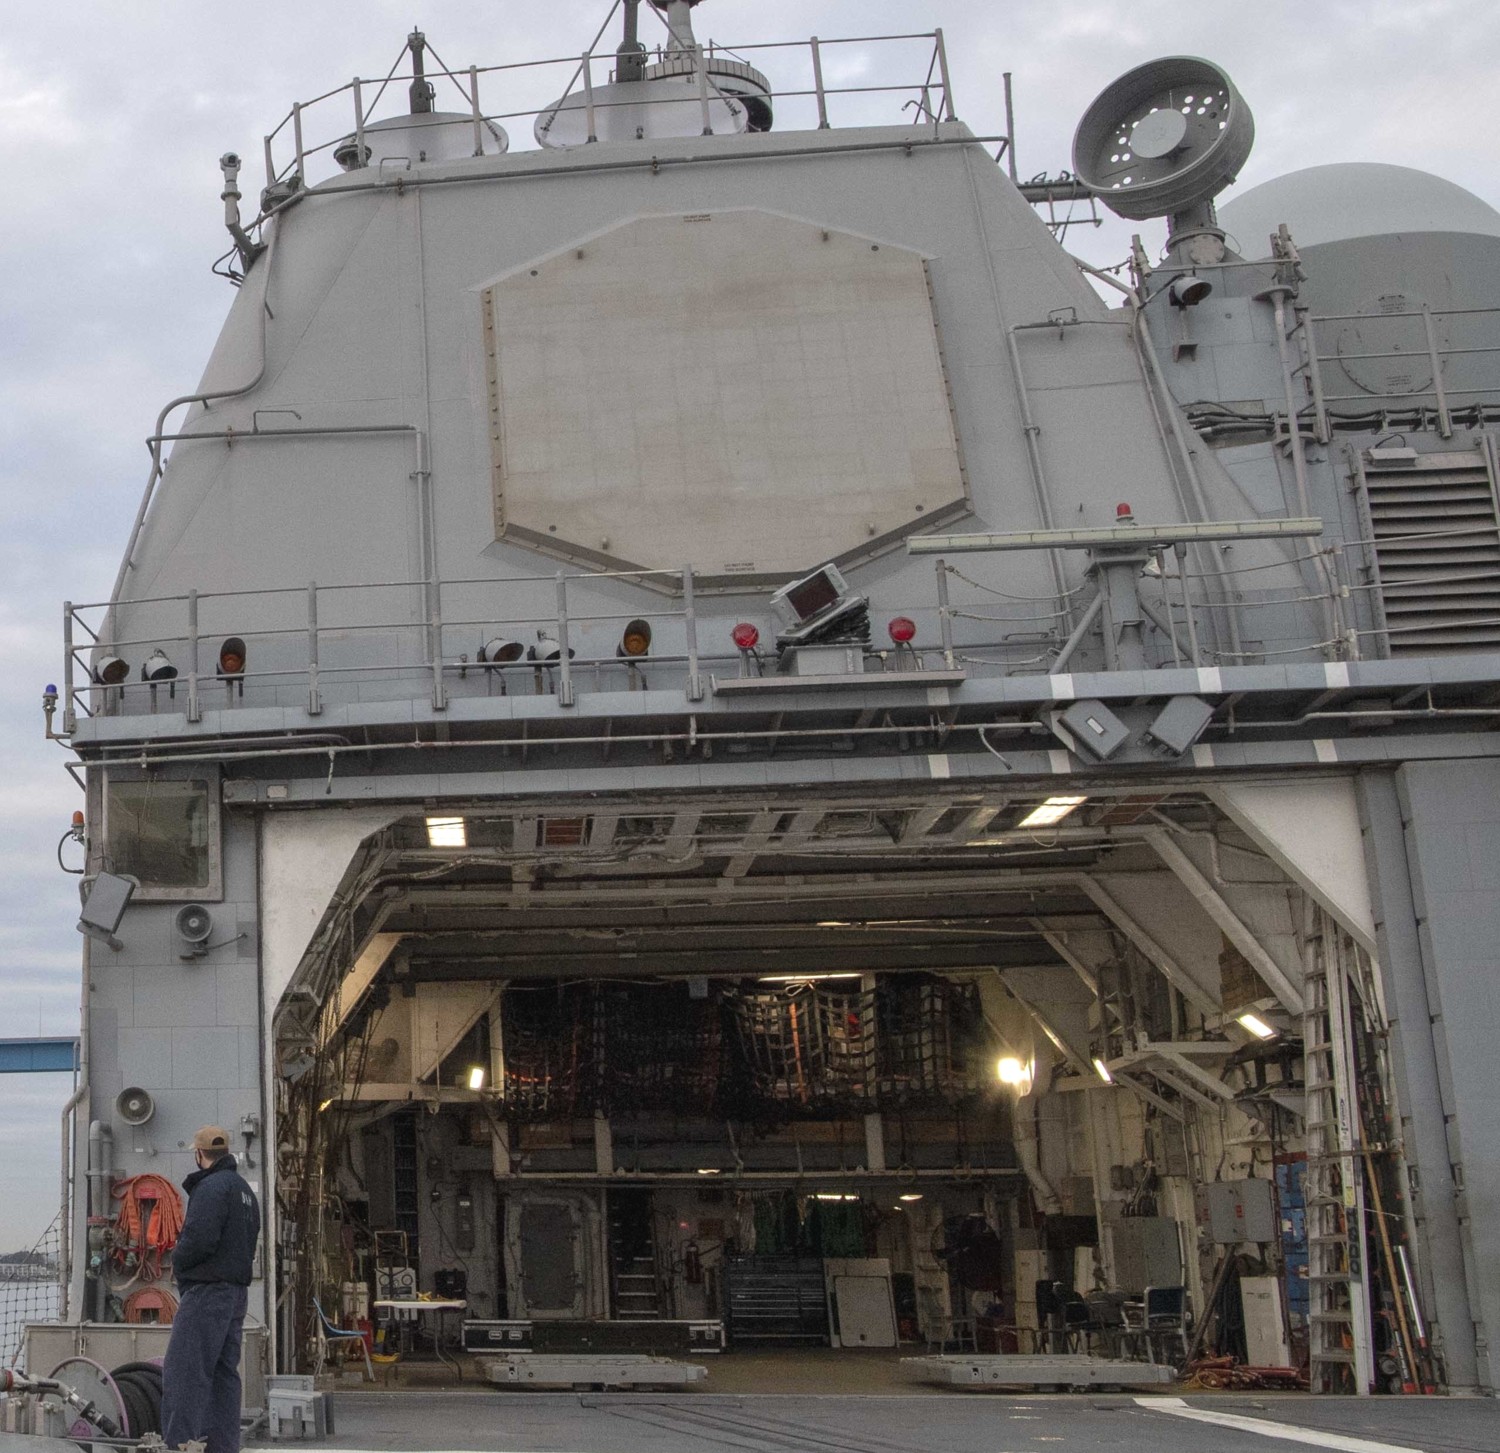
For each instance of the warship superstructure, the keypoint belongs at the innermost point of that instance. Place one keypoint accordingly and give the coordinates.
(700, 724)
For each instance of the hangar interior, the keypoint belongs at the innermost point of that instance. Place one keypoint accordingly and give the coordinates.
(1001, 1063)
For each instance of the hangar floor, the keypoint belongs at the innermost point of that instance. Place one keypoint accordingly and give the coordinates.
(963, 1423)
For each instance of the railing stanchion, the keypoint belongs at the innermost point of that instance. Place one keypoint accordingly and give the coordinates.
(314, 695)
(564, 667)
(194, 705)
(270, 165)
(945, 617)
(297, 135)
(702, 67)
(478, 114)
(1435, 359)
(434, 594)
(817, 60)
(70, 711)
(1314, 374)
(690, 621)
(588, 96)
(942, 56)
(359, 125)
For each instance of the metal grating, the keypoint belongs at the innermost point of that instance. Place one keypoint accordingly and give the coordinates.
(1435, 555)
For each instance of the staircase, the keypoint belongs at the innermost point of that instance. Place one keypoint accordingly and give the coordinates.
(635, 1290)
(1339, 1319)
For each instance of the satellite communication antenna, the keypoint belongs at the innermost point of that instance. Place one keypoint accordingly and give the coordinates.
(1163, 141)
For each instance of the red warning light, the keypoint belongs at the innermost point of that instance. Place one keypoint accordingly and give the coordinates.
(746, 636)
(903, 630)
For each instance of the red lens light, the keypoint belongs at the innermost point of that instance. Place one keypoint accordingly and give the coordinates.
(902, 629)
(745, 636)
(1123, 512)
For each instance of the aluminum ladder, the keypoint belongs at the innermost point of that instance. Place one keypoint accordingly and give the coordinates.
(1339, 1344)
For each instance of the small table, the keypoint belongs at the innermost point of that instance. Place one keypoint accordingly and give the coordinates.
(410, 1309)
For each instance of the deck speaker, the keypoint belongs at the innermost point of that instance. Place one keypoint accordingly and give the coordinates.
(134, 1106)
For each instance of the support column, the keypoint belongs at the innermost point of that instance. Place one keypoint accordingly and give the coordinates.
(1424, 1115)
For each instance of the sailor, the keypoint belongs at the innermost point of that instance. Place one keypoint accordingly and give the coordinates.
(212, 1264)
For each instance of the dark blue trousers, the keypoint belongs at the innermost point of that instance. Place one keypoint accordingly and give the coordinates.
(200, 1381)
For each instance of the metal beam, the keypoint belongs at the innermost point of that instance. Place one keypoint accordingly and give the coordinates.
(1229, 922)
(1143, 536)
(1176, 975)
(38, 1056)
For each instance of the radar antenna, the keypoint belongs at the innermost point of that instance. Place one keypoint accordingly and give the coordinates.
(1163, 141)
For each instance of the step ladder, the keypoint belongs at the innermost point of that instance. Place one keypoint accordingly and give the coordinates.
(1339, 1348)
(634, 1285)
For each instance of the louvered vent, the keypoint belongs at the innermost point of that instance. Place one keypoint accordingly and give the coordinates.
(1436, 552)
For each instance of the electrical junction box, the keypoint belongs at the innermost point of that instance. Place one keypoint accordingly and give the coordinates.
(1178, 725)
(1097, 730)
(1235, 1211)
(1147, 1252)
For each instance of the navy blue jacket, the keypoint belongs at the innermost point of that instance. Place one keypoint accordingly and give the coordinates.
(218, 1236)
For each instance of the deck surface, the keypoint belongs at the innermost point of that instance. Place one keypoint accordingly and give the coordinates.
(933, 1420)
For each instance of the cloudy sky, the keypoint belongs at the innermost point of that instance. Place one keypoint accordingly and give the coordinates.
(112, 117)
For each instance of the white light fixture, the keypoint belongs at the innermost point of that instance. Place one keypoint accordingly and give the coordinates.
(803, 978)
(834, 923)
(708, 1170)
(1257, 1026)
(476, 1077)
(833, 1196)
(1011, 1070)
(1102, 1070)
(912, 1196)
(1051, 812)
(447, 832)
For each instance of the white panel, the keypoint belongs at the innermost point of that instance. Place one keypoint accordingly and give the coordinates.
(740, 390)
(1310, 830)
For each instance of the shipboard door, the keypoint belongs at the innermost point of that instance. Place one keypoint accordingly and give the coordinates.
(544, 1255)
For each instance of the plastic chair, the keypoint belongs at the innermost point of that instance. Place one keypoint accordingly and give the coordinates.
(330, 1335)
(1164, 1317)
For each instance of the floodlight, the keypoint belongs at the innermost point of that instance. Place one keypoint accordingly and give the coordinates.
(501, 651)
(548, 651)
(635, 640)
(1188, 290)
(232, 657)
(111, 671)
(1102, 1070)
(447, 832)
(1011, 1071)
(1051, 812)
(157, 667)
(476, 1077)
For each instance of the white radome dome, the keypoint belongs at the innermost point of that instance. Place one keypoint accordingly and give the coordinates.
(1346, 200)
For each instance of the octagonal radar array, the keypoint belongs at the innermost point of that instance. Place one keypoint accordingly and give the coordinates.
(1165, 137)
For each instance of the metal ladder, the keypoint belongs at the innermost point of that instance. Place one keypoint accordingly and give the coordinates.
(1340, 1358)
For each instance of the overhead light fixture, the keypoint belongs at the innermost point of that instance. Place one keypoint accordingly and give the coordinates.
(501, 651)
(709, 1170)
(803, 978)
(1257, 1026)
(1051, 812)
(111, 670)
(635, 639)
(833, 923)
(158, 667)
(912, 1196)
(1102, 1070)
(447, 832)
(833, 1196)
(476, 1077)
(326, 1103)
(232, 657)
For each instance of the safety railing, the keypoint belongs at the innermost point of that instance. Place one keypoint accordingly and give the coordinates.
(561, 634)
(1417, 336)
(333, 127)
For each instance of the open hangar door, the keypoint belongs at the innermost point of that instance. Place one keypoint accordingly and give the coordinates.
(1011, 1059)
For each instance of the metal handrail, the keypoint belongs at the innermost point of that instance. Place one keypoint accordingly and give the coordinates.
(467, 81)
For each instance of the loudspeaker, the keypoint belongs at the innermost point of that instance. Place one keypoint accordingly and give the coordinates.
(194, 923)
(134, 1106)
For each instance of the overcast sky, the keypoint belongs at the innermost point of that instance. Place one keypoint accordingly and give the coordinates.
(113, 116)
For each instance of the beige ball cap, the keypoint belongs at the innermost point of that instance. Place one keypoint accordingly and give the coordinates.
(211, 1137)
